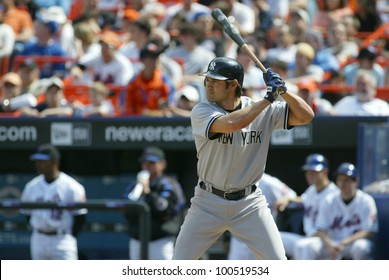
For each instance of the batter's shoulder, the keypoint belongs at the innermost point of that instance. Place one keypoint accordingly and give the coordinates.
(205, 108)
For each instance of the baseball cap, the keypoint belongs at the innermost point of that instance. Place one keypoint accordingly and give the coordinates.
(28, 63)
(110, 38)
(143, 24)
(368, 53)
(315, 162)
(12, 78)
(348, 169)
(153, 154)
(190, 93)
(46, 152)
(152, 49)
(130, 14)
(55, 13)
(55, 81)
(50, 23)
(301, 13)
(307, 84)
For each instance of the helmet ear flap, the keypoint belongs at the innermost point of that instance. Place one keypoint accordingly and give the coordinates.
(205, 81)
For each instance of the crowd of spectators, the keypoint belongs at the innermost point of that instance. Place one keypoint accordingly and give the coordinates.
(143, 57)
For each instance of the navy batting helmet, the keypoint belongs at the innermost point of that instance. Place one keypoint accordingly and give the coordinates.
(348, 169)
(225, 68)
(315, 162)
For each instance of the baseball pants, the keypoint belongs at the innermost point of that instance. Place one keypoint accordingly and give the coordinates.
(160, 249)
(289, 239)
(248, 219)
(239, 251)
(313, 248)
(53, 247)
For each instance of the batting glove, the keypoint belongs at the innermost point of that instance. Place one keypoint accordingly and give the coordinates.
(275, 85)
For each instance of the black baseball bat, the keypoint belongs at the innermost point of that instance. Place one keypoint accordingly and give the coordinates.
(233, 33)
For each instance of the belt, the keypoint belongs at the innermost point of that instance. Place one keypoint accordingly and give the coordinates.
(228, 195)
(53, 232)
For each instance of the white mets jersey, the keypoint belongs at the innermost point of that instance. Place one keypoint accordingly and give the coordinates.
(64, 189)
(220, 156)
(341, 220)
(311, 199)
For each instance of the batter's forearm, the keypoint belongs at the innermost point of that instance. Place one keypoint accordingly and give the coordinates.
(239, 119)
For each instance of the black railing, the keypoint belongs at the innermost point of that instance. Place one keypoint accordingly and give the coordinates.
(97, 204)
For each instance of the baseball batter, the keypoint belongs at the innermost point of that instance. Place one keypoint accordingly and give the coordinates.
(345, 224)
(54, 230)
(232, 134)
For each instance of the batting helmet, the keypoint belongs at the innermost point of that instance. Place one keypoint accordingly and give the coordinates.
(225, 68)
(315, 162)
(348, 169)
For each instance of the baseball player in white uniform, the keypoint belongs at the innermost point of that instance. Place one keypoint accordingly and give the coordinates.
(273, 189)
(54, 230)
(316, 170)
(345, 224)
(232, 135)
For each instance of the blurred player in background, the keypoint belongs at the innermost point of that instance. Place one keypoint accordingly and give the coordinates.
(316, 170)
(346, 222)
(165, 197)
(54, 230)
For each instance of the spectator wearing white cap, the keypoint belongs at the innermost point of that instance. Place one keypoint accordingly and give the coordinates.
(55, 103)
(45, 29)
(187, 97)
(65, 35)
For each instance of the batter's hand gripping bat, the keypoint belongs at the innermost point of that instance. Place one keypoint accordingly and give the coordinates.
(233, 33)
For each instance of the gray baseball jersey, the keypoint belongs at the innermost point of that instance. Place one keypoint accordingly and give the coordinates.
(246, 145)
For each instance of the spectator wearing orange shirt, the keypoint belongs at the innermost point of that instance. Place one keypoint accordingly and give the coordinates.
(20, 21)
(151, 90)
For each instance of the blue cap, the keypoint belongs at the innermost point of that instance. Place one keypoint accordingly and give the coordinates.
(51, 24)
(315, 162)
(153, 154)
(348, 169)
(46, 152)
